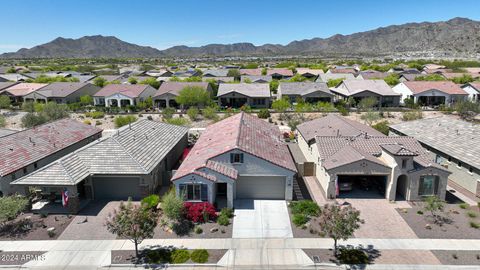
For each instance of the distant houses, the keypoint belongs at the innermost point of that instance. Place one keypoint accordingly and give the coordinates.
(431, 93)
(360, 89)
(62, 92)
(310, 92)
(165, 96)
(123, 95)
(236, 95)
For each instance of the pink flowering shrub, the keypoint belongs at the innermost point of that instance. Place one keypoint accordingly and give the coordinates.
(200, 212)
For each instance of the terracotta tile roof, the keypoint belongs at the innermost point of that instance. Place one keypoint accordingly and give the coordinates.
(398, 150)
(302, 71)
(251, 72)
(174, 88)
(280, 71)
(333, 125)
(22, 89)
(344, 70)
(129, 90)
(244, 132)
(447, 87)
(5, 85)
(26, 147)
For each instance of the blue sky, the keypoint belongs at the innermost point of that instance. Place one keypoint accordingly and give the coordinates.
(162, 24)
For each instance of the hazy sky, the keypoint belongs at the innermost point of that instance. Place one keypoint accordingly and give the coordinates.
(162, 24)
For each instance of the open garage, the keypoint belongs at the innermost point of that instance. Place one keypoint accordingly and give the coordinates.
(362, 186)
(261, 187)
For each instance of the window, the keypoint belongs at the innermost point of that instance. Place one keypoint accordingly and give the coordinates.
(404, 163)
(258, 101)
(236, 158)
(428, 185)
(35, 165)
(438, 159)
(25, 170)
(14, 176)
(194, 192)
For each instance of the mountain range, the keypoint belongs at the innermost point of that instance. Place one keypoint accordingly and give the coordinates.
(458, 37)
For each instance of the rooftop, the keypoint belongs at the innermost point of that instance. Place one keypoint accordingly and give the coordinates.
(62, 89)
(334, 76)
(303, 88)
(448, 87)
(247, 89)
(353, 87)
(23, 89)
(175, 87)
(129, 90)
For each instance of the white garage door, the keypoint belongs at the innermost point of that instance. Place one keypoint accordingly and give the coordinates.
(261, 187)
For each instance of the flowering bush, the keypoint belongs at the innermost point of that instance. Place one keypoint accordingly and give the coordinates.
(200, 212)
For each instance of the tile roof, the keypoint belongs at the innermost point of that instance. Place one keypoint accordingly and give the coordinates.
(28, 146)
(316, 72)
(353, 87)
(174, 88)
(453, 137)
(280, 71)
(447, 87)
(343, 71)
(475, 85)
(410, 77)
(255, 78)
(5, 132)
(62, 89)
(252, 72)
(247, 89)
(303, 88)
(369, 75)
(334, 76)
(398, 150)
(5, 85)
(216, 72)
(129, 90)
(22, 89)
(334, 125)
(244, 132)
(134, 149)
(14, 77)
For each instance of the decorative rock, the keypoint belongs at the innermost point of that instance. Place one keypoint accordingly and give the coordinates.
(51, 229)
(428, 226)
(214, 229)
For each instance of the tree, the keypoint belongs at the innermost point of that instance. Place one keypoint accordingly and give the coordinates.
(86, 100)
(193, 96)
(274, 86)
(5, 102)
(121, 121)
(133, 222)
(370, 117)
(297, 78)
(382, 126)
(339, 222)
(392, 79)
(233, 73)
(466, 78)
(430, 77)
(32, 119)
(11, 206)
(281, 105)
(433, 204)
(467, 109)
(367, 103)
(264, 71)
(28, 107)
(173, 206)
(11, 70)
(132, 80)
(100, 81)
(53, 111)
(152, 82)
(334, 82)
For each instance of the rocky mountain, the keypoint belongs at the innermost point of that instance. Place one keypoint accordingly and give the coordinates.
(458, 37)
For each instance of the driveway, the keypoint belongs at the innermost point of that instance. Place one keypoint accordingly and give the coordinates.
(89, 223)
(381, 217)
(261, 219)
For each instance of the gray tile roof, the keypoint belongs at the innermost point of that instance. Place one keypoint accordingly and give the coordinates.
(303, 88)
(255, 78)
(63, 89)
(456, 138)
(334, 76)
(216, 73)
(134, 149)
(5, 132)
(5, 85)
(247, 89)
(353, 87)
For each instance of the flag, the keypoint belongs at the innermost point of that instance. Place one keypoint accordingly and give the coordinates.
(65, 198)
(337, 188)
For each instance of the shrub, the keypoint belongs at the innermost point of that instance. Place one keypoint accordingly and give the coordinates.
(413, 115)
(343, 111)
(198, 230)
(51, 233)
(200, 212)
(300, 219)
(172, 206)
(192, 112)
(463, 205)
(210, 112)
(162, 255)
(11, 206)
(352, 256)
(223, 220)
(177, 121)
(263, 114)
(87, 122)
(474, 225)
(151, 201)
(199, 256)
(305, 207)
(180, 256)
(121, 121)
(471, 214)
(95, 114)
(420, 212)
(98, 123)
(167, 113)
(3, 121)
(227, 212)
(382, 126)
(5, 102)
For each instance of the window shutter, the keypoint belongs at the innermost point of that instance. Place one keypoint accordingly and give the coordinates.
(231, 158)
(204, 192)
(241, 158)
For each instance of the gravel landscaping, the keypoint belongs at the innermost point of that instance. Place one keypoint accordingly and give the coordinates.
(128, 256)
(39, 227)
(458, 228)
(310, 230)
(209, 230)
(458, 257)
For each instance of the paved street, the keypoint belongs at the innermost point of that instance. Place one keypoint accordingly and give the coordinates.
(261, 219)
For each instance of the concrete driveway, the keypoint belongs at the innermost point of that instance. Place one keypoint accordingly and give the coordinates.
(261, 219)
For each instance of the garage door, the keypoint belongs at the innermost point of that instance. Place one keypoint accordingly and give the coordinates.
(261, 187)
(116, 188)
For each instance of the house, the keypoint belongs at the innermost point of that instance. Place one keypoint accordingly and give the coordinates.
(187, 73)
(451, 144)
(240, 157)
(18, 91)
(29, 150)
(311, 92)
(345, 153)
(251, 72)
(5, 132)
(472, 89)
(168, 91)
(431, 93)
(334, 76)
(216, 73)
(219, 79)
(309, 73)
(280, 73)
(159, 73)
(13, 77)
(408, 77)
(5, 85)
(256, 79)
(122, 95)
(114, 78)
(133, 162)
(62, 92)
(255, 95)
(345, 70)
(360, 89)
(432, 67)
(372, 75)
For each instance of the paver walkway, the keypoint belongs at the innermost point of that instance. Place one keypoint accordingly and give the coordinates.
(261, 219)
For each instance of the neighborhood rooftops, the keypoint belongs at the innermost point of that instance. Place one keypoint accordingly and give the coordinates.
(243, 132)
(353, 87)
(333, 125)
(247, 89)
(302, 88)
(61, 89)
(5, 85)
(28, 146)
(456, 138)
(251, 72)
(174, 88)
(447, 87)
(134, 149)
(334, 76)
(129, 90)
(280, 71)
(22, 89)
